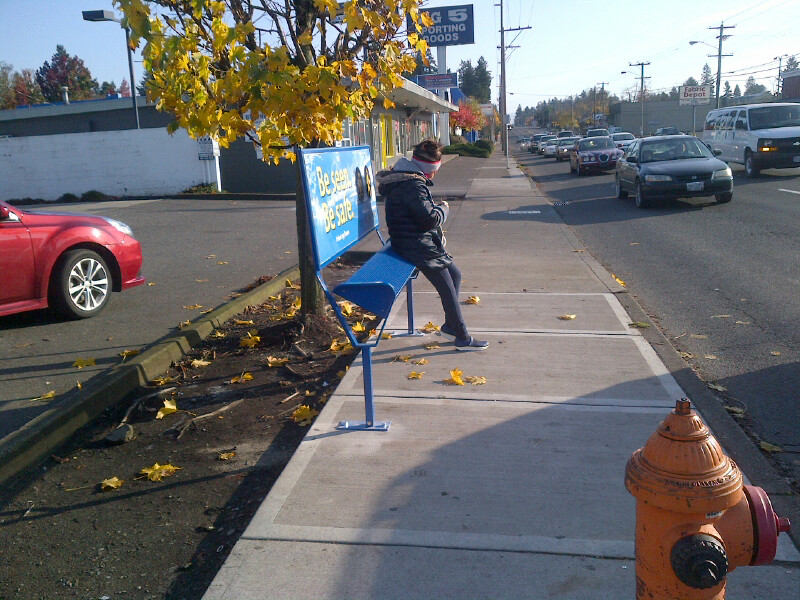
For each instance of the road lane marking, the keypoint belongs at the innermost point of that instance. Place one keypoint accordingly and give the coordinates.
(790, 191)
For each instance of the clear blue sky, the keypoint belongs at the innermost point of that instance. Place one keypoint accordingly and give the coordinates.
(572, 44)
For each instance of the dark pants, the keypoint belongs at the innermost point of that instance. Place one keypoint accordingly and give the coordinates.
(448, 282)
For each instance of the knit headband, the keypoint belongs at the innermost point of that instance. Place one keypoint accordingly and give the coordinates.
(427, 166)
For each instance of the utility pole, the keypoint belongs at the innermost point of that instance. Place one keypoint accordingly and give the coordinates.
(641, 78)
(602, 85)
(503, 110)
(722, 27)
(780, 64)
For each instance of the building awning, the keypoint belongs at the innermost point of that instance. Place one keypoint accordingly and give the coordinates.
(414, 96)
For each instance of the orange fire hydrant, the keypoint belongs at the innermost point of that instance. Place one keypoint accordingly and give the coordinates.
(695, 521)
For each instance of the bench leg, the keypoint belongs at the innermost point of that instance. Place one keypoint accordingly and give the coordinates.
(410, 307)
(369, 406)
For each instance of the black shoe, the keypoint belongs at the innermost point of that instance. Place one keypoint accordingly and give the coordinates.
(471, 345)
(447, 333)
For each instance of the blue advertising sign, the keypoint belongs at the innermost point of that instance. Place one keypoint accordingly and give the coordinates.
(438, 81)
(340, 190)
(452, 26)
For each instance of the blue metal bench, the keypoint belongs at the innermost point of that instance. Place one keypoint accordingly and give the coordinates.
(342, 211)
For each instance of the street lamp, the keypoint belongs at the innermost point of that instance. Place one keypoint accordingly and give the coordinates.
(108, 15)
(718, 55)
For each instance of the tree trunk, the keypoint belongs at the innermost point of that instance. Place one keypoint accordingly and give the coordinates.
(311, 294)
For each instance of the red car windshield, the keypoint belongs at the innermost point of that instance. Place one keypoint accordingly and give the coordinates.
(599, 143)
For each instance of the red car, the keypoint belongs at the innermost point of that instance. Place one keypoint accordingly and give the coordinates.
(593, 154)
(70, 262)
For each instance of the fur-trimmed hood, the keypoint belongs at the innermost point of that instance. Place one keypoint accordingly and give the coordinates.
(403, 170)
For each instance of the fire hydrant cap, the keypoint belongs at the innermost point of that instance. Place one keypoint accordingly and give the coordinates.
(682, 467)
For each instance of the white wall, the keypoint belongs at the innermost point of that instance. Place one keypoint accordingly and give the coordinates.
(143, 162)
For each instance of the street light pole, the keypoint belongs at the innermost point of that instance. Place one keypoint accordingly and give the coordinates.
(722, 27)
(642, 78)
(107, 15)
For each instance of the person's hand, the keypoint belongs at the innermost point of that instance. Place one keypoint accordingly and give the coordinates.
(443, 203)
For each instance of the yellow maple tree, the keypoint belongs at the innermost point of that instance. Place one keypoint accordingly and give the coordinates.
(284, 75)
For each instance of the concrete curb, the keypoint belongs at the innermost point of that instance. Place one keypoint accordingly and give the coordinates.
(38, 438)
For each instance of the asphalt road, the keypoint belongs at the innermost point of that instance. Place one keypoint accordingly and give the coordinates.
(196, 252)
(722, 281)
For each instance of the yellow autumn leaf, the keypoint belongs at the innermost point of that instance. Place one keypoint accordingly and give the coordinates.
(163, 380)
(416, 375)
(386, 336)
(222, 262)
(274, 361)
(242, 377)
(347, 308)
(710, 356)
(698, 336)
(112, 483)
(455, 377)
(249, 341)
(433, 346)
(717, 387)
(183, 324)
(226, 455)
(170, 406)
(430, 327)
(197, 363)
(206, 311)
(403, 357)
(743, 322)
(358, 327)
(151, 283)
(217, 334)
(309, 393)
(775, 353)
(128, 353)
(290, 284)
(304, 415)
(473, 300)
(243, 322)
(193, 306)
(84, 362)
(567, 317)
(766, 446)
(339, 347)
(618, 280)
(420, 361)
(201, 280)
(686, 355)
(475, 380)
(45, 396)
(639, 325)
(157, 472)
(720, 316)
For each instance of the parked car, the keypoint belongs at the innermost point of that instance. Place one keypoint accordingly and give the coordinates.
(542, 142)
(597, 133)
(672, 167)
(565, 133)
(668, 131)
(593, 154)
(550, 147)
(623, 139)
(69, 262)
(564, 146)
(759, 136)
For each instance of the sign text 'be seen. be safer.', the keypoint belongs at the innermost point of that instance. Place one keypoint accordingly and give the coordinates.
(340, 191)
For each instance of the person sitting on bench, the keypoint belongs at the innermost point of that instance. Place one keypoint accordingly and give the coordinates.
(415, 224)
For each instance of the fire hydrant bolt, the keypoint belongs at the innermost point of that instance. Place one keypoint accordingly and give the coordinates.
(699, 561)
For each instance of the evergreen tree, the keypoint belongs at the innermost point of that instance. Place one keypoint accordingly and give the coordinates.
(737, 93)
(483, 79)
(726, 94)
(706, 78)
(791, 64)
(125, 89)
(691, 81)
(65, 70)
(751, 87)
(466, 78)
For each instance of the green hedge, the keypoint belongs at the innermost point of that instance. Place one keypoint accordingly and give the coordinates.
(466, 150)
(485, 144)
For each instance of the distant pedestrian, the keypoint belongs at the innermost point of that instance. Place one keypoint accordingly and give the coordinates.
(415, 224)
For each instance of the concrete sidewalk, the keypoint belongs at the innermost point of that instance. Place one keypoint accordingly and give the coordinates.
(512, 489)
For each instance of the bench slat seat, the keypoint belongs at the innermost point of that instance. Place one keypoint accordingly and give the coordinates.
(376, 285)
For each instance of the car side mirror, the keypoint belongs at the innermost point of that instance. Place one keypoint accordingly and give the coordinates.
(717, 152)
(632, 159)
(4, 213)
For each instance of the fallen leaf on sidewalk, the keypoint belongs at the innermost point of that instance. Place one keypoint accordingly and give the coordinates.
(386, 336)
(84, 362)
(736, 411)
(128, 353)
(455, 377)
(639, 325)
(347, 308)
(634, 244)
(242, 377)
(45, 396)
(698, 336)
(226, 455)
(183, 324)
(157, 472)
(163, 380)
(402, 357)
(359, 326)
(197, 363)
(775, 353)
(567, 317)
(222, 262)
(273, 361)
(416, 375)
(170, 406)
(201, 280)
(304, 415)
(250, 340)
(241, 322)
(420, 361)
(618, 280)
(433, 346)
(579, 250)
(717, 387)
(112, 483)
(472, 300)
(217, 334)
(475, 380)
(720, 316)
(710, 356)
(770, 447)
(686, 355)
(193, 306)
(430, 327)
(743, 322)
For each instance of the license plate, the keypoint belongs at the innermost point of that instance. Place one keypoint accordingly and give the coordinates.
(796, 159)
(694, 186)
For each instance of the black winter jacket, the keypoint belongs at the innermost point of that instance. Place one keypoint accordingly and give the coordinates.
(413, 220)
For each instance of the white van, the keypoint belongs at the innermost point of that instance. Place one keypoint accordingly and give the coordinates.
(759, 136)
